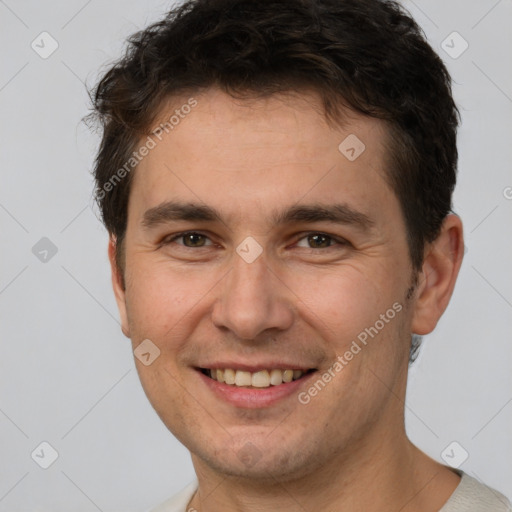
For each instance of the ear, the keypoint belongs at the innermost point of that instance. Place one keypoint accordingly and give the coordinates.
(118, 285)
(440, 269)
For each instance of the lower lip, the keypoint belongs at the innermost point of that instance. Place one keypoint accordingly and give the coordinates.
(254, 398)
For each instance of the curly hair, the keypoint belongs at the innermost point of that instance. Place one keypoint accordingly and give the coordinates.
(365, 55)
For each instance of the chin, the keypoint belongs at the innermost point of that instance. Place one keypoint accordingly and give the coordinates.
(256, 463)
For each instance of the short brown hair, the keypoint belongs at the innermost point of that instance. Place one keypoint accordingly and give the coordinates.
(367, 55)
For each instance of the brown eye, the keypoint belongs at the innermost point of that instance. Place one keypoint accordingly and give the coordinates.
(189, 239)
(318, 241)
(193, 240)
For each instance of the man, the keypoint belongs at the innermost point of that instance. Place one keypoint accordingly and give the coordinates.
(276, 179)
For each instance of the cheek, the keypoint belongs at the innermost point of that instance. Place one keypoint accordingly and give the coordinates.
(161, 301)
(343, 302)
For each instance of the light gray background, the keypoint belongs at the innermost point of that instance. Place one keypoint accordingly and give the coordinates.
(67, 374)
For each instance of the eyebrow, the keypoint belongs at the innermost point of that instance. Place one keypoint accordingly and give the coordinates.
(306, 213)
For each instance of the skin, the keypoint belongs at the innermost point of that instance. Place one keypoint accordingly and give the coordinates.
(347, 448)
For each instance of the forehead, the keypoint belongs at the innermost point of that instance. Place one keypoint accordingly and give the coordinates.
(259, 152)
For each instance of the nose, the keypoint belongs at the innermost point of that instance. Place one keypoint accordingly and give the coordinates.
(252, 299)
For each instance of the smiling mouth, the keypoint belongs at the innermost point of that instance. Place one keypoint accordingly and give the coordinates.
(260, 379)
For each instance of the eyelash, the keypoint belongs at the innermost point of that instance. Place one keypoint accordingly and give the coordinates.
(336, 240)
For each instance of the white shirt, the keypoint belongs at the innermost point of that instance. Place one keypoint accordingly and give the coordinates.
(469, 496)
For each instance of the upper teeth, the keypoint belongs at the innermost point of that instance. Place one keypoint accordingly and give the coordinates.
(261, 379)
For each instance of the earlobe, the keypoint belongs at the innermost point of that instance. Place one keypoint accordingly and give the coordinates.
(441, 266)
(118, 286)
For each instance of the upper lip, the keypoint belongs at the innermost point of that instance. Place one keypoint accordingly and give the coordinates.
(252, 367)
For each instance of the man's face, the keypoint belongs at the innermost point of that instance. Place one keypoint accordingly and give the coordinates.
(316, 287)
